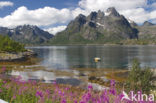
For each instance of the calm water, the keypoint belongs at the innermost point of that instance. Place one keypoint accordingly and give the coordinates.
(65, 57)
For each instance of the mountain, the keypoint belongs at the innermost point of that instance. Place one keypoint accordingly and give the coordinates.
(146, 34)
(132, 23)
(27, 34)
(147, 31)
(147, 23)
(98, 27)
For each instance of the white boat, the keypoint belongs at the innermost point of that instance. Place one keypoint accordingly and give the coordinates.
(97, 59)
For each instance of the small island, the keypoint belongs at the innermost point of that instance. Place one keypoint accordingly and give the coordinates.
(11, 50)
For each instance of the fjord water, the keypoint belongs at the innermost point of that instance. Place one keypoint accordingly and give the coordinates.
(120, 57)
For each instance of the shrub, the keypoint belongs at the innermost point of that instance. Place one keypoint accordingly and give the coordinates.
(140, 79)
(8, 45)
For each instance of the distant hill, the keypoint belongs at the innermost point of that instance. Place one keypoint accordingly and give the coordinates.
(147, 23)
(98, 27)
(147, 32)
(26, 34)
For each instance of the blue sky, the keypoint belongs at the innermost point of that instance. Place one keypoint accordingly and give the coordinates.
(54, 15)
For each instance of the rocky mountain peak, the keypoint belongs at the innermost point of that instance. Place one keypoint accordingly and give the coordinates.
(97, 27)
(92, 16)
(21, 27)
(100, 14)
(112, 12)
(81, 19)
(147, 23)
(28, 34)
(95, 16)
(80, 16)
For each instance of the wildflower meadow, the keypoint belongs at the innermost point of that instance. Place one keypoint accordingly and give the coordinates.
(15, 90)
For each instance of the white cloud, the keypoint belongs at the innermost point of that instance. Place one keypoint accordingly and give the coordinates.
(104, 4)
(40, 17)
(153, 15)
(132, 9)
(139, 15)
(78, 11)
(56, 29)
(49, 16)
(5, 4)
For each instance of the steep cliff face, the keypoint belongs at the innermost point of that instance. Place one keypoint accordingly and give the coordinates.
(97, 27)
(27, 34)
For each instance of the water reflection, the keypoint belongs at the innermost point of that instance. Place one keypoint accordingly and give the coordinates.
(57, 58)
(46, 77)
(64, 57)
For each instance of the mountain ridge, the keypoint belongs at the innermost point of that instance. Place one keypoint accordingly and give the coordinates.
(97, 27)
(27, 34)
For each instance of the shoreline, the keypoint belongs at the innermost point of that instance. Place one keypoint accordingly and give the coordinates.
(12, 57)
(90, 45)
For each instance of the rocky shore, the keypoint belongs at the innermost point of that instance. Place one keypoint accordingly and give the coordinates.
(7, 56)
